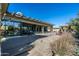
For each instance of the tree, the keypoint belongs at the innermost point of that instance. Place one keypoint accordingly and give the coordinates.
(10, 28)
(75, 25)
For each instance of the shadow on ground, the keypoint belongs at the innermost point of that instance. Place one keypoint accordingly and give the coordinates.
(18, 45)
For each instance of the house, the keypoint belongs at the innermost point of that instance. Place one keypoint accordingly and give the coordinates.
(23, 23)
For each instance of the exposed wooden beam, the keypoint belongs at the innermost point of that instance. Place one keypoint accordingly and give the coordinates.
(26, 20)
(4, 7)
(4, 10)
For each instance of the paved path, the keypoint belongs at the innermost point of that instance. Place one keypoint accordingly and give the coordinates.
(14, 45)
(11, 45)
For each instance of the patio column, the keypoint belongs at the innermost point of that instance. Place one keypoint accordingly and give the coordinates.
(36, 29)
(42, 29)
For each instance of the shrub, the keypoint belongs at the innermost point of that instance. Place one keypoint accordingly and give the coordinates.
(65, 45)
(0, 39)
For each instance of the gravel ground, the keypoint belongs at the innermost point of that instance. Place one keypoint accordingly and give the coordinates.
(43, 45)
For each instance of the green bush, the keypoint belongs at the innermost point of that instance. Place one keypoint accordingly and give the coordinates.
(77, 51)
(75, 26)
(0, 39)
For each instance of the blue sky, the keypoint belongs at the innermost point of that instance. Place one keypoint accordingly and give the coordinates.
(54, 13)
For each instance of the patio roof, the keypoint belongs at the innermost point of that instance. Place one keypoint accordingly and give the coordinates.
(24, 19)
